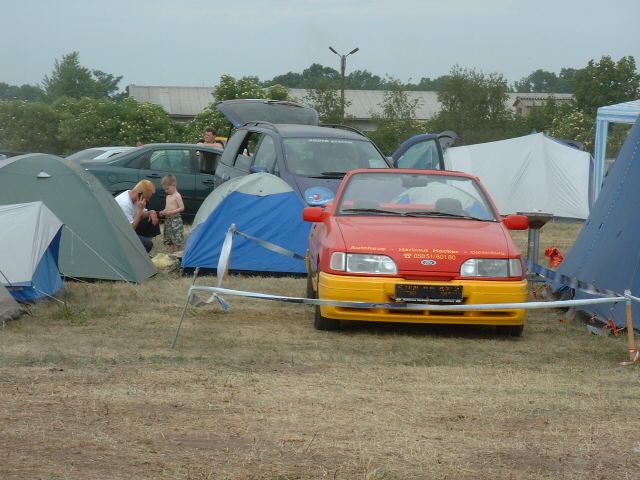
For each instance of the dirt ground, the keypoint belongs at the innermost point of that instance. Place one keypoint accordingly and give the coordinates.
(93, 390)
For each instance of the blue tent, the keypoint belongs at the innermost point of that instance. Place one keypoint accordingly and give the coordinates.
(30, 239)
(260, 205)
(607, 251)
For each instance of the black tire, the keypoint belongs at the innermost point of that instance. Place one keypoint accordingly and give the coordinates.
(320, 322)
(510, 330)
(311, 293)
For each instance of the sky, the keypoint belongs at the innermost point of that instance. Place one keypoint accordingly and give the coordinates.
(194, 42)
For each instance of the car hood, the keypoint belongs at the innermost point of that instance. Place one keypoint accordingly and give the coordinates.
(240, 112)
(423, 246)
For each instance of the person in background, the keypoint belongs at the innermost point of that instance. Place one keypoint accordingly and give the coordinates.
(210, 139)
(134, 205)
(173, 226)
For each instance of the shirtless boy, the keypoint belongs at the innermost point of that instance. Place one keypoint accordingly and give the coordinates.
(173, 226)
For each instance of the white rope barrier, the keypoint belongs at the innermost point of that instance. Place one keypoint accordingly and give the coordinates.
(223, 265)
(412, 306)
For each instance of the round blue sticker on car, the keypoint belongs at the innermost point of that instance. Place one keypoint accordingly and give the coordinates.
(318, 196)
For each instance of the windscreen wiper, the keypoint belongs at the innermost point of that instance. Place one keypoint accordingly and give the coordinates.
(330, 175)
(429, 213)
(370, 210)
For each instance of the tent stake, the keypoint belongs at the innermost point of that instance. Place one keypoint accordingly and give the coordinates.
(634, 354)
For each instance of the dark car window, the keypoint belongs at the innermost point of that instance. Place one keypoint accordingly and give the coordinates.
(266, 154)
(250, 144)
(208, 161)
(421, 155)
(177, 161)
(313, 156)
(139, 161)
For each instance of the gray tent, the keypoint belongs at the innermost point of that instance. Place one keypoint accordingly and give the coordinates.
(97, 240)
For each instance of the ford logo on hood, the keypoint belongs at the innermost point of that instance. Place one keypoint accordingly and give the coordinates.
(428, 263)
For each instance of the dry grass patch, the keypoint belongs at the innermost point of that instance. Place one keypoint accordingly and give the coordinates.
(94, 391)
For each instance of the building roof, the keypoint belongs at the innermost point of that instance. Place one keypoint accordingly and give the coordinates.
(361, 104)
(177, 101)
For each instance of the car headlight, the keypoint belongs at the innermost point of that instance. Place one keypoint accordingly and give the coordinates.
(491, 267)
(363, 263)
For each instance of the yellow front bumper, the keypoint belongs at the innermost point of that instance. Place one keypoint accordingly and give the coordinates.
(382, 290)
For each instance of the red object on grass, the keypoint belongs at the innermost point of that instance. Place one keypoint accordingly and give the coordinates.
(555, 256)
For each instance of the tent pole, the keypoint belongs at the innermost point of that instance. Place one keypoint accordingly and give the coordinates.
(186, 304)
(634, 354)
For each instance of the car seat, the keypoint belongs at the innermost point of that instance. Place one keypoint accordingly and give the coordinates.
(450, 205)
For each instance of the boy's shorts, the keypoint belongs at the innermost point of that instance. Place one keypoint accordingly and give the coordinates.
(173, 231)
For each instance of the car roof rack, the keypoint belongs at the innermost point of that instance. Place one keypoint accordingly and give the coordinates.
(344, 127)
(263, 123)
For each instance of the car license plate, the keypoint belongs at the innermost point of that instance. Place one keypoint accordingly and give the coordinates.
(429, 293)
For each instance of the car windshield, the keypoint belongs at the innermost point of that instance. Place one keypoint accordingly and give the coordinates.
(330, 157)
(415, 195)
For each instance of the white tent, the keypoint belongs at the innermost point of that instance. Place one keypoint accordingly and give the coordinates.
(533, 173)
(30, 237)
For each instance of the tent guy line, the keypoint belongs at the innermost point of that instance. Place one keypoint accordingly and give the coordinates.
(75, 235)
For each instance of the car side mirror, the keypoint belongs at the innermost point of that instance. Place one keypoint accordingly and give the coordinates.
(314, 214)
(516, 222)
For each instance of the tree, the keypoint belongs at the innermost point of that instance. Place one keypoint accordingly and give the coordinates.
(68, 125)
(397, 121)
(23, 92)
(70, 79)
(308, 78)
(566, 80)
(326, 101)
(475, 106)
(574, 125)
(364, 80)
(539, 81)
(29, 127)
(427, 85)
(540, 119)
(290, 79)
(107, 85)
(230, 88)
(89, 122)
(606, 83)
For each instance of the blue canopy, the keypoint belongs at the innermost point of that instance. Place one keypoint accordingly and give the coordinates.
(626, 112)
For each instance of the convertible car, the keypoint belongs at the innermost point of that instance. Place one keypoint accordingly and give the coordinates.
(423, 236)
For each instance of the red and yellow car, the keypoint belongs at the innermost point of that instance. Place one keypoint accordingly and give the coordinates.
(426, 236)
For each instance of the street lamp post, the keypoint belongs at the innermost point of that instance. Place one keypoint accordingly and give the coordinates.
(343, 66)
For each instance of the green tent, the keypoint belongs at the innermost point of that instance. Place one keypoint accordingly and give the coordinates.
(97, 240)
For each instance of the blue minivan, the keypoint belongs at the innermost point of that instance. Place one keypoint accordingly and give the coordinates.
(285, 139)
